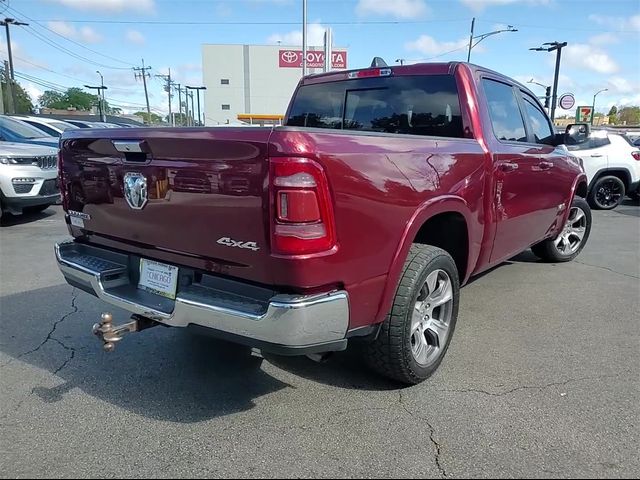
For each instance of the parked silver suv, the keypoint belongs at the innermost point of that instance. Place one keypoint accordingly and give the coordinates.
(28, 177)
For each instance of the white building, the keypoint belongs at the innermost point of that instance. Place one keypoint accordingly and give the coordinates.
(256, 80)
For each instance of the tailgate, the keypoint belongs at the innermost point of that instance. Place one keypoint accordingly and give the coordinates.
(198, 193)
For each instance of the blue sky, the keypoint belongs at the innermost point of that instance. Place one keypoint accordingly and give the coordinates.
(603, 37)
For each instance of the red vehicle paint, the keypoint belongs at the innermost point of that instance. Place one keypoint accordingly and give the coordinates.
(375, 191)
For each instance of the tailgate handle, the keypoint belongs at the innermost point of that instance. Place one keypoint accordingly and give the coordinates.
(134, 150)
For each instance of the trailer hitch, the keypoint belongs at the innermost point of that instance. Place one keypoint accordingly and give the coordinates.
(110, 334)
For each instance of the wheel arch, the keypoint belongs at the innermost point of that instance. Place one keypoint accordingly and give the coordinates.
(435, 221)
(622, 173)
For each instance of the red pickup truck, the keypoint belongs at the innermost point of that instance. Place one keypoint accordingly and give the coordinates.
(358, 219)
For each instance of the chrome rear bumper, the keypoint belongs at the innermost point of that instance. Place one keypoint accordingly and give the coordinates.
(288, 324)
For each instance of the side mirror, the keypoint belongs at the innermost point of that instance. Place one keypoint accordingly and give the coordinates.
(577, 133)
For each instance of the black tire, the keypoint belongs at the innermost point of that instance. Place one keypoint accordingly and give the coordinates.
(606, 193)
(549, 251)
(390, 354)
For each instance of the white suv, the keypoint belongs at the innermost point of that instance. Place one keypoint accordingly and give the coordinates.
(612, 165)
(28, 177)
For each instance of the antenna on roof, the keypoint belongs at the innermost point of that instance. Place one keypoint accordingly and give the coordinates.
(378, 62)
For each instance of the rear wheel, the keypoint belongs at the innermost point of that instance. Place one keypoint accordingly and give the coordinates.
(573, 237)
(416, 334)
(606, 193)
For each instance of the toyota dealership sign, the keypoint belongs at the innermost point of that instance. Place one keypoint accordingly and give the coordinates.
(315, 59)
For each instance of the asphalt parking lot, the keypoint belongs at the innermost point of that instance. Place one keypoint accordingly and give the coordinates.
(542, 380)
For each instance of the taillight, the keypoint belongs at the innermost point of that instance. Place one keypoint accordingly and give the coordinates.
(302, 219)
(371, 72)
(61, 186)
(636, 155)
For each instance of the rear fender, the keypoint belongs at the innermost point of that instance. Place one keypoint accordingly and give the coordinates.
(582, 178)
(427, 210)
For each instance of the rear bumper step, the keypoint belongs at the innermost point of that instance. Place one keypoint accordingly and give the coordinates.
(282, 323)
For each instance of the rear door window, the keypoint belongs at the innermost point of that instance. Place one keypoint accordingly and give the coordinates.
(506, 119)
(412, 105)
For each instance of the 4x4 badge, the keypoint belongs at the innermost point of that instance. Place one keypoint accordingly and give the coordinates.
(227, 242)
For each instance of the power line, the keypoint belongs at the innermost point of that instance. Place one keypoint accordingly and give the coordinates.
(61, 48)
(69, 39)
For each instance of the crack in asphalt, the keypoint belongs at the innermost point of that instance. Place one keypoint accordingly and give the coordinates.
(608, 269)
(531, 387)
(49, 337)
(432, 431)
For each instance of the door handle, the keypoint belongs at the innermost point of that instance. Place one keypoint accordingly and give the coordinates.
(545, 165)
(596, 155)
(507, 166)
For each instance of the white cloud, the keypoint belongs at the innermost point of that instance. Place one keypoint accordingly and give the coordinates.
(619, 23)
(135, 37)
(589, 57)
(84, 34)
(397, 8)
(315, 36)
(621, 85)
(427, 45)
(479, 5)
(33, 91)
(21, 59)
(111, 6)
(604, 39)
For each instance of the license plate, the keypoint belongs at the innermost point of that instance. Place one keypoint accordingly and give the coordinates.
(158, 278)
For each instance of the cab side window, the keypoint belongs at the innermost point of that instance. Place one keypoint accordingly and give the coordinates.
(538, 121)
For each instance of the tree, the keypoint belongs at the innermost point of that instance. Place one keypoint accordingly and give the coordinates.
(52, 99)
(629, 116)
(155, 118)
(23, 100)
(73, 98)
(181, 118)
(613, 115)
(80, 99)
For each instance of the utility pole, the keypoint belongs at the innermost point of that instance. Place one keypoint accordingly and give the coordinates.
(187, 121)
(179, 88)
(167, 88)
(11, 94)
(304, 38)
(193, 110)
(197, 89)
(557, 46)
(141, 72)
(473, 24)
(7, 77)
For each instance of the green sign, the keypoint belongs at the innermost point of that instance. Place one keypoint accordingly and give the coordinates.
(584, 114)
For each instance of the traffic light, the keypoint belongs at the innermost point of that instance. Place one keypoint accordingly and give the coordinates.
(547, 97)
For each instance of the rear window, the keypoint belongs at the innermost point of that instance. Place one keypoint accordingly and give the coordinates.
(413, 105)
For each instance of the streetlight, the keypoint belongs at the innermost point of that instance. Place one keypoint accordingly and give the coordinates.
(484, 35)
(99, 89)
(593, 107)
(197, 89)
(547, 90)
(10, 75)
(551, 47)
(103, 114)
